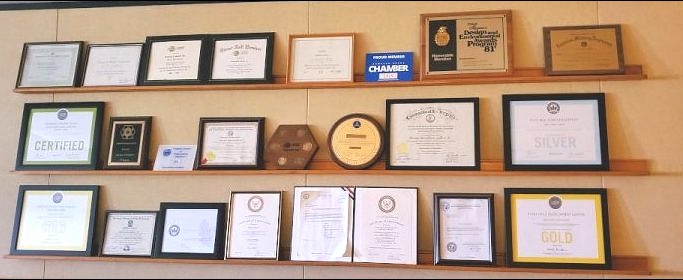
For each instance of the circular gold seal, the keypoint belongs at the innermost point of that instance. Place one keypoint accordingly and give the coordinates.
(307, 146)
(441, 38)
(282, 161)
(356, 141)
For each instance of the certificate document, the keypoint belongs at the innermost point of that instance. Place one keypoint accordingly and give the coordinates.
(239, 59)
(112, 65)
(189, 231)
(175, 158)
(323, 220)
(322, 59)
(254, 225)
(465, 229)
(174, 60)
(385, 229)
(50, 65)
(60, 136)
(129, 233)
(230, 143)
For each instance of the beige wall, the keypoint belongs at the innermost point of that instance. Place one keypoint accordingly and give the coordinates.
(644, 119)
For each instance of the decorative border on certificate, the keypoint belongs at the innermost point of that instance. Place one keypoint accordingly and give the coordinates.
(53, 57)
(132, 232)
(112, 64)
(206, 221)
(320, 58)
(253, 221)
(37, 231)
(583, 50)
(133, 131)
(175, 60)
(241, 58)
(433, 134)
(232, 133)
(562, 228)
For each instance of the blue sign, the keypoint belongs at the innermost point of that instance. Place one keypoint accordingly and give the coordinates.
(387, 67)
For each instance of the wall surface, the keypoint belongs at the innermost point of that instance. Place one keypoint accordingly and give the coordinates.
(644, 120)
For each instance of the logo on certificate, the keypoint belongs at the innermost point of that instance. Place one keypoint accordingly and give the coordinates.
(553, 107)
(126, 248)
(445, 206)
(167, 152)
(130, 223)
(356, 124)
(451, 247)
(174, 230)
(62, 114)
(255, 203)
(57, 197)
(387, 204)
(430, 118)
(555, 202)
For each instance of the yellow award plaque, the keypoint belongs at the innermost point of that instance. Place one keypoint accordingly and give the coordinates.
(356, 141)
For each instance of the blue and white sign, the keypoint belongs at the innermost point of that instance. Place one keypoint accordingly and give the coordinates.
(385, 67)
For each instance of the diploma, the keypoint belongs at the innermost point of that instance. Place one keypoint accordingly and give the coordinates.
(254, 225)
(112, 65)
(189, 231)
(49, 65)
(230, 143)
(129, 233)
(322, 59)
(60, 135)
(174, 60)
(465, 229)
(239, 59)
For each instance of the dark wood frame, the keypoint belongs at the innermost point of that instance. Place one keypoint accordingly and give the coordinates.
(132, 212)
(219, 243)
(86, 60)
(229, 229)
(290, 55)
(259, 148)
(268, 69)
(371, 162)
(548, 50)
(144, 151)
(78, 72)
(202, 68)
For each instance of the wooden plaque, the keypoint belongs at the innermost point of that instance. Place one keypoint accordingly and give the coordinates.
(291, 147)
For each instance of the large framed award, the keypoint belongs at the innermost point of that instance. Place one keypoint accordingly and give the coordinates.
(557, 228)
(242, 58)
(50, 64)
(129, 233)
(112, 64)
(230, 143)
(320, 58)
(560, 132)
(464, 229)
(356, 141)
(55, 220)
(128, 143)
(190, 231)
(583, 50)
(254, 225)
(466, 44)
(59, 136)
(175, 60)
(438, 134)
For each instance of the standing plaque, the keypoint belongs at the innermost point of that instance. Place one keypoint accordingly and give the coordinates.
(356, 141)
(129, 142)
(291, 147)
(583, 50)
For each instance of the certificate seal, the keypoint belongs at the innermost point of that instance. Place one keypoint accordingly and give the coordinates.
(130, 223)
(553, 107)
(387, 204)
(57, 197)
(445, 206)
(441, 38)
(255, 203)
(174, 230)
(555, 202)
(62, 114)
(451, 247)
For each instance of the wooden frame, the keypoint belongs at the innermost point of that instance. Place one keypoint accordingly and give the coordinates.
(291, 57)
(587, 33)
(133, 212)
(87, 60)
(370, 162)
(267, 75)
(143, 149)
(219, 238)
(76, 67)
(202, 67)
(200, 164)
(231, 217)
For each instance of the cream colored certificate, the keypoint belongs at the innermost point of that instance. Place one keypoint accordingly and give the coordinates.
(322, 59)
(594, 49)
(174, 60)
(230, 143)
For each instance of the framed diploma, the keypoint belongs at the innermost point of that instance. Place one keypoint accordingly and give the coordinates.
(557, 228)
(55, 220)
(439, 134)
(242, 58)
(561, 132)
(191, 231)
(466, 44)
(59, 136)
(129, 233)
(175, 60)
(128, 142)
(254, 226)
(112, 64)
(320, 58)
(464, 229)
(583, 50)
(230, 143)
(356, 141)
(385, 231)
(50, 64)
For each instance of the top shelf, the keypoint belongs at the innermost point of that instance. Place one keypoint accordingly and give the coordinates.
(520, 75)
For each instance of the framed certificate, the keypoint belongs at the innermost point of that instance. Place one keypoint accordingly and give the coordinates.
(129, 233)
(128, 142)
(464, 229)
(175, 60)
(230, 143)
(557, 228)
(583, 50)
(191, 231)
(320, 58)
(254, 226)
(242, 58)
(55, 220)
(112, 64)
(50, 64)
(562, 132)
(439, 134)
(60, 136)
(466, 44)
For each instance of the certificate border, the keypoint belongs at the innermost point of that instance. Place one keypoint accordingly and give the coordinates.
(557, 191)
(547, 50)
(438, 260)
(219, 239)
(259, 143)
(89, 251)
(371, 162)
(279, 225)
(95, 135)
(602, 126)
(290, 61)
(106, 225)
(75, 80)
(87, 59)
(477, 155)
(144, 151)
(268, 69)
(202, 68)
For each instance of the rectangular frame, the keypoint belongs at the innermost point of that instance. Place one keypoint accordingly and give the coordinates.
(259, 142)
(267, 75)
(88, 59)
(219, 238)
(585, 38)
(76, 65)
(291, 58)
(230, 220)
(106, 226)
(202, 67)
(143, 149)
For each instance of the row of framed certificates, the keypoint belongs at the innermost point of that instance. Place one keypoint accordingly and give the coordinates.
(565, 228)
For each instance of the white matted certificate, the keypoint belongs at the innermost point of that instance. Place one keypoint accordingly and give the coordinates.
(321, 58)
(174, 60)
(129, 233)
(254, 229)
(239, 59)
(189, 231)
(49, 64)
(112, 65)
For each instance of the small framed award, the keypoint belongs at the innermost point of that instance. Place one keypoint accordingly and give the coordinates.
(464, 229)
(438, 134)
(557, 228)
(175, 60)
(320, 58)
(558, 132)
(230, 143)
(50, 64)
(242, 58)
(60, 136)
(112, 64)
(128, 143)
(55, 220)
(129, 233)
(190, 231)
(466, 44)
(583, 50)
(254, 225)
(356, 141)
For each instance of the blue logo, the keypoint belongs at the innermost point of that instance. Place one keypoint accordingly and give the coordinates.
(62, 114)
(387, 67)
(57, 197)
(174, 230)
(167, 152)
(356, 124)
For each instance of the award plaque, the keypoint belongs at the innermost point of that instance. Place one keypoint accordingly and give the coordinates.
(320, 58)
(356, 141)
(583, 50)
(230, 143)
(175, 60)
(190, 231)
(242, 58)
(112, 65)
(129, 233)
(50, 64)
(254, 226)
(129, 143)
(291, 147)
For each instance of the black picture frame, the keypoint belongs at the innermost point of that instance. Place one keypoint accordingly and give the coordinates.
(62, 110)
(555, 193)
(585, 34)
(267, 76)
(260, 121)
(438, 259)
(230, 225)
(57, 197)
(202, 67)
(77, 67)
(143, 143)
(475, 117)
(106, 226)
(598, 98)
(219, 241)
(87, 60)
